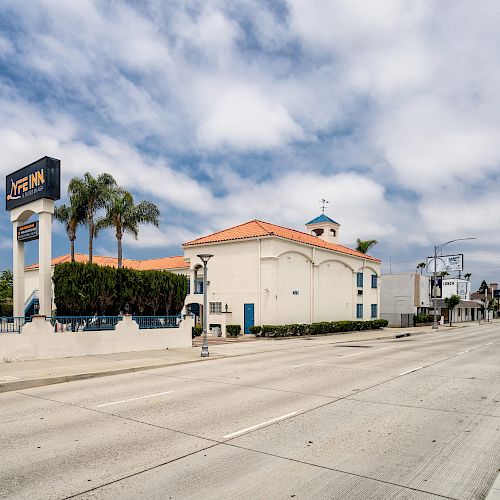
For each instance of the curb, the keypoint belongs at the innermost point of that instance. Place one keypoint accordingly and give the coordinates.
(29, 384)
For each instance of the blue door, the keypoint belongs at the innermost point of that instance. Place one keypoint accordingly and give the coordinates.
(249, 318)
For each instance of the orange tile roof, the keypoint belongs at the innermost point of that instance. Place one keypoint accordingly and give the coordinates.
(257, 228)
(163, 263)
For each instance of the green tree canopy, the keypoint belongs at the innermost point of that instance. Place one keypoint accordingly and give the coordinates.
(6, 292)
(451, 303)
(364, 245)
(125, 217)
(71, 216)
(91, 194)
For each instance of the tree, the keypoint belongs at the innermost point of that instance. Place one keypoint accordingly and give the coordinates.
(91, 194)
(484, 287)
(421, 266)
(6, 292)
(467, 276)
(363, 246)
(451, 303)
(125, 216)
(71, 216)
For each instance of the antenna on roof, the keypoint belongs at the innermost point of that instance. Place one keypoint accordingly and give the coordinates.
(323, 204)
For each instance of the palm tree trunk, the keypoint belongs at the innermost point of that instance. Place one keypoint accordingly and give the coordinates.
(72, 250)
(120, 255)
(91, 237)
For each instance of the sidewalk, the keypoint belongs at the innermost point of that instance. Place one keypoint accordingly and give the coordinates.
(25, 374)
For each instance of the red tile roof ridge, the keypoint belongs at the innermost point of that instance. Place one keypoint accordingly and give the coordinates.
(83, 256)
(270, 229)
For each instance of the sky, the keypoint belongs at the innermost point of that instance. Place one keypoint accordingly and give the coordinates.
(221, 112)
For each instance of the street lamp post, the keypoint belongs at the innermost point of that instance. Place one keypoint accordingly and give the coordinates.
(205, 257)
(436, 249)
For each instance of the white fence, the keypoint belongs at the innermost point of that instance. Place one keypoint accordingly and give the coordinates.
(38, 340)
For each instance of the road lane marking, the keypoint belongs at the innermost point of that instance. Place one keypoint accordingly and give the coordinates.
(412, 370)
(8, 378)
(134, 399)
(306, 364)
(349, 355)
(463, 352)
(277, 419)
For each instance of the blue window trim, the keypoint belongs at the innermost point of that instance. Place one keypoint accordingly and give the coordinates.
(374, 310)
(359, 311)
(374, 281)
(359, 280)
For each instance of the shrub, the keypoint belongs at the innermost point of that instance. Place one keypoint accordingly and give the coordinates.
(423, 318)
(84, 289)
(233, 330)
(255, 330)
(197, 331)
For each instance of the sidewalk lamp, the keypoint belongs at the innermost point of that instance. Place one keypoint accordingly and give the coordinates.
(205, 257)
(436, 249)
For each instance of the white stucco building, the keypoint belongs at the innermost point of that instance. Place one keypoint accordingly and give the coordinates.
(269, 274)
(403, 294)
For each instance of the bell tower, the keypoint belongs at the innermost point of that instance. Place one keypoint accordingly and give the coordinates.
(325, 228)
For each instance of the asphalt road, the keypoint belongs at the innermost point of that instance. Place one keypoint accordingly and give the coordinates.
(414, 418)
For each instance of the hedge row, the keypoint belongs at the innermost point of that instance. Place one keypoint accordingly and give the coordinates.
(233, 330)
(85, 289)
(317, 328)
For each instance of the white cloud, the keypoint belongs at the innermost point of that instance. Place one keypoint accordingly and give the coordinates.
(243, 117)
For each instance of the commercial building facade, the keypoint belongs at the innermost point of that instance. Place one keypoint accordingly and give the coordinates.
(262, 273)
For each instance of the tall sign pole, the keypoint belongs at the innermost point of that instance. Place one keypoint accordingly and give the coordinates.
(28, 191)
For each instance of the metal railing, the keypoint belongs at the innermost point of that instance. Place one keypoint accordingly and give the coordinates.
(12, 324)
(83, 323)
(153, 322)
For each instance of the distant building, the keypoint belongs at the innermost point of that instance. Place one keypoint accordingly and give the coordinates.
(402, 296)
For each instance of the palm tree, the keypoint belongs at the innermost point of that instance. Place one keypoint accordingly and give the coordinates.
(92, 194)
(71, 216)
(125, 216)
(467, 276)
(363, 246)
(421, 266)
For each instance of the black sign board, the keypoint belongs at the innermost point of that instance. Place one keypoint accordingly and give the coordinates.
(496, 294)
(40, 179)
(28, 232)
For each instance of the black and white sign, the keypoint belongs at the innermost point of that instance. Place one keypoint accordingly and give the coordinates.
(40, 179)
(445, 263)
(28, 232)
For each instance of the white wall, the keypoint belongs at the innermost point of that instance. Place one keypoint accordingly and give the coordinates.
(267, 271)
(39, 341)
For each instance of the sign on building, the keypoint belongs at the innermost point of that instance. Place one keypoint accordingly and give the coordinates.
(439, 287)
(496, 294)
(40, 179)
(445, 263)
(28, 232)
(462, 289)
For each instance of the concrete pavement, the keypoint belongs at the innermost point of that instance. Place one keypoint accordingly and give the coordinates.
(24, 374)
(413, 418)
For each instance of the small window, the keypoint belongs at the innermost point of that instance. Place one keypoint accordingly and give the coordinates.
(215, 307)
(374, 310)
(332, 232)
(359, 311)
(359, 280)
(318, 232)
(374, 280)
(189, 286)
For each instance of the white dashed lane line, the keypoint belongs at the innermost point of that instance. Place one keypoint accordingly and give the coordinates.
(135, 399)
(262, 424)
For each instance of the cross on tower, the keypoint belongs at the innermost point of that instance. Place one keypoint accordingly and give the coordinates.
(323, 204)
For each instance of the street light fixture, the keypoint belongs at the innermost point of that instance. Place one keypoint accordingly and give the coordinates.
(436, 249)
(205, 257)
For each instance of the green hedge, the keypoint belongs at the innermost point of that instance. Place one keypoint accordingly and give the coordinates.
(233, 330)
(255, 330)
(322, 327)
(84, 289)
(423, 318)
